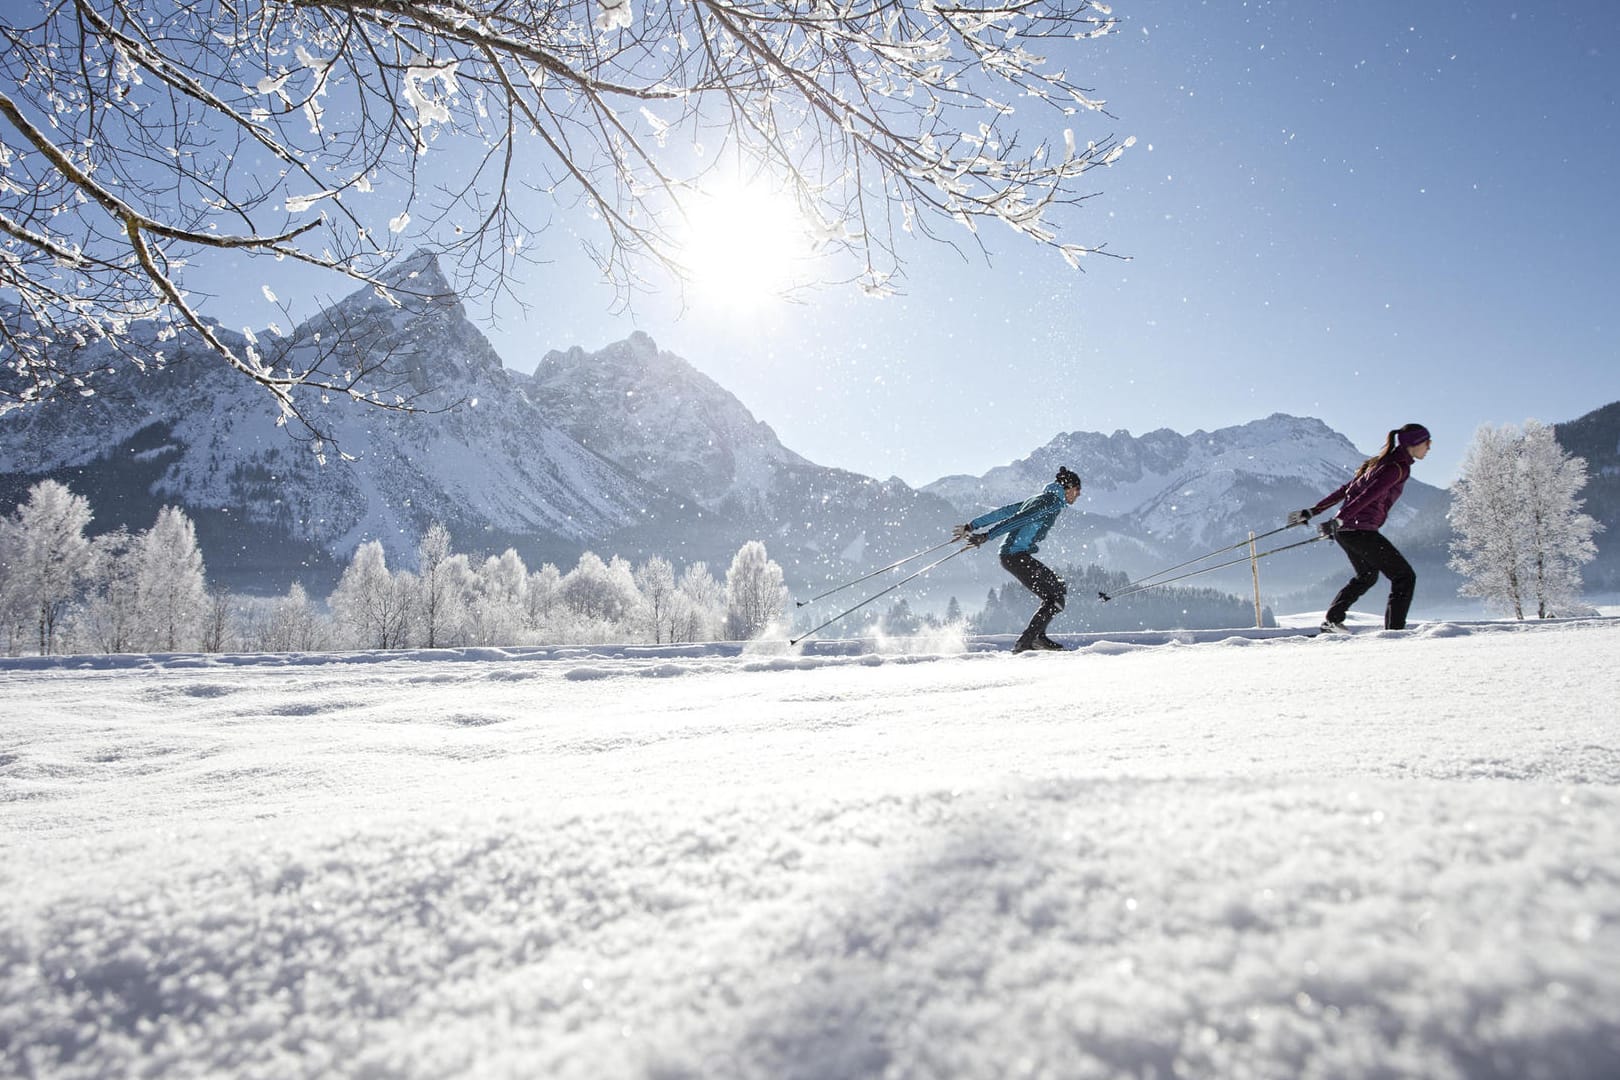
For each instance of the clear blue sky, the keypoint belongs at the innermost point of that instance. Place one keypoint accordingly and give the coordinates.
(1370, 213)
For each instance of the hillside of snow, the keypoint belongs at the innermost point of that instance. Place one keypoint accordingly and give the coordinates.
(1244, 855)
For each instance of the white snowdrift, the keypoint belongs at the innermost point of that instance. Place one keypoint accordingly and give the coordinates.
(1391, 855)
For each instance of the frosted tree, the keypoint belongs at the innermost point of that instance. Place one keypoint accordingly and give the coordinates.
(460, 582)
(755, 595)
(261, 631)
(171, 588)
(1559, 540)
(499, 608)
(221, 622)
(13, 618)
(371, 605)
(48, 558)
(598, 594)
(584, 597)
(444, 585)
(1520, 536)
(700, 605)
(655, 580)
(110, 618)
(294, 624)
(622, 575)
(1487, 549)
(544, 584)
(145, 140)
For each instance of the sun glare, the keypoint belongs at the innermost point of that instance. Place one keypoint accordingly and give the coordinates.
(743, 246)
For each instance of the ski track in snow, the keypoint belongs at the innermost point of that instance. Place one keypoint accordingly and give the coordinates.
(1218, 854)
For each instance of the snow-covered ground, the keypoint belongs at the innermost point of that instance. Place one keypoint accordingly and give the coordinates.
(1218, 855)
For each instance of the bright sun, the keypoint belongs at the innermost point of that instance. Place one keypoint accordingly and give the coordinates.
(744, 245)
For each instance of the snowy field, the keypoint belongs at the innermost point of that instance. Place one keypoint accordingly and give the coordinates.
(1232, 855)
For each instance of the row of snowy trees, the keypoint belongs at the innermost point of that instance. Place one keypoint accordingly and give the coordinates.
(1521, 538)
(1520, 541)
(116, 592)
(62, 590)
(452, 599)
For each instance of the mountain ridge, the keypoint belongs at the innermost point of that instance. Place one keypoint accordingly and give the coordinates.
(211, 439)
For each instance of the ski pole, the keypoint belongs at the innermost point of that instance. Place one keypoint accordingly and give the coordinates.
(1142, 581)
(1135, 587)
(874, 596)
(875, 573)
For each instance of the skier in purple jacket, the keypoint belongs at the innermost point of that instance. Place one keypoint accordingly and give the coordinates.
(1367, 500)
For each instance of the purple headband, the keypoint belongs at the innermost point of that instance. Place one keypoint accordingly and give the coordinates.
(1413, 436)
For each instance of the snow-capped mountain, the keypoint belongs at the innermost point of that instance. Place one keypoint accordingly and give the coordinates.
(681, 434)
(628, 451)
(1193, 488)
(1168, 482)
(660, 418)
(1154, 500)
(478, 456)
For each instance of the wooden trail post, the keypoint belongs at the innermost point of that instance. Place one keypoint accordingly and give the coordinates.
(1254, 568)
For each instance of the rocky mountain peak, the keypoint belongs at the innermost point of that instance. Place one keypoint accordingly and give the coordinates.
(654, 413)
(412, 288)
(417, 282)
(416, 327)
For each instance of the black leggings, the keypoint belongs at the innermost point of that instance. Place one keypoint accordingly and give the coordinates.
(1371, 555)
(1039, 579)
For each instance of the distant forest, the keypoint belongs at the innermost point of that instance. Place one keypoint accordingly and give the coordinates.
(1007, 609)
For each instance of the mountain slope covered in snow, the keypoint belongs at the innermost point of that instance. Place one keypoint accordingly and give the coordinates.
(628, 450)
(477, 456)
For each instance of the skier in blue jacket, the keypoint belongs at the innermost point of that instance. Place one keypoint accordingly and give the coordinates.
(1025, 525)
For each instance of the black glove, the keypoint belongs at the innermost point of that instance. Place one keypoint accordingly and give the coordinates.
(977, 539)
(961, 532)
(1299, 517)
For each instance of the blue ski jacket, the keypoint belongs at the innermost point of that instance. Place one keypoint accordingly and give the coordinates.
(1023, 524)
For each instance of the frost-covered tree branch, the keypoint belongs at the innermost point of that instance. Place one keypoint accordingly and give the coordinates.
(139, 139)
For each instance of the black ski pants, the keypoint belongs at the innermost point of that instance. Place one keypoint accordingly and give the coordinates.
(1370, 555)
(1039, 579)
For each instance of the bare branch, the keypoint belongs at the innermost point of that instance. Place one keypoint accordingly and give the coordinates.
(136, 137)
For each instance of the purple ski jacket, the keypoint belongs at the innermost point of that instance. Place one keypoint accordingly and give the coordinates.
(1368, 497)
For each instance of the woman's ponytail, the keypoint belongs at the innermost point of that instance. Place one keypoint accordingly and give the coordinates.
(1405, 435)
